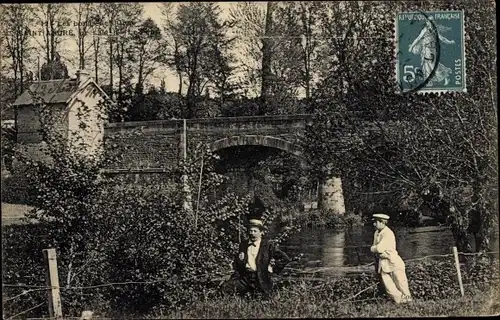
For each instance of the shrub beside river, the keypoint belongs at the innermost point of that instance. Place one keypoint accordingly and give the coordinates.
(433, 283)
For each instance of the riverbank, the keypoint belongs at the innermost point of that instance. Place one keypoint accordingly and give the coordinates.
(116, 295)
(303, 302)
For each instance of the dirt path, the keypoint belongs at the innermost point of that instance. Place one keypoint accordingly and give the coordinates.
(12, 213)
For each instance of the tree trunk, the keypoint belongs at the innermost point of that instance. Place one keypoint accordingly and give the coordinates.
(190, 98)
(308, 84)
(267, 43)
(82, 53)
(16, 83)
(193, 85)
(180, 83)
(120, 79)
(52, 41)
(110, 40)
(21, 73)
(140, 80)
(96, 57)
(47, 31)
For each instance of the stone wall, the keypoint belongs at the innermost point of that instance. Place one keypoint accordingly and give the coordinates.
(158, 144)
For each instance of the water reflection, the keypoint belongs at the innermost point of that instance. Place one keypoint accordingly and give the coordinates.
(333, 251)
(330, 250)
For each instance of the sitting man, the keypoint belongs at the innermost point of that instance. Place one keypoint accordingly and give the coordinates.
(390, 265)
(257, 259)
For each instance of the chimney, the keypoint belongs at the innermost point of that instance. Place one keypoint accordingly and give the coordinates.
(82, 76)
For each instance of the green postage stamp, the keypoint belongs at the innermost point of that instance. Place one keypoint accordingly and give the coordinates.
(430, 51)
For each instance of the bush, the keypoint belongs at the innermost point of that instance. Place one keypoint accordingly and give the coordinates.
(138, 236)
(16, 188)
(328, 219)
(22, 263)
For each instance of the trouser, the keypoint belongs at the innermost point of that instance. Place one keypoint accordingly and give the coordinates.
(243, 284)
(396, 285)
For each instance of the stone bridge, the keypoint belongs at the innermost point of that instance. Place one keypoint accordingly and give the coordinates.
(156, 146)
(153, 148)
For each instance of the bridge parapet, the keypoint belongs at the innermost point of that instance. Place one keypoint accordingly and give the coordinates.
(202, 123)
(158, 143)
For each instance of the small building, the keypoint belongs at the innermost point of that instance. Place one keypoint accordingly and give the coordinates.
(75, 105)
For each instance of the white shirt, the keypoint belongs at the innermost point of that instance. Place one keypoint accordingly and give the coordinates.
(253, 250)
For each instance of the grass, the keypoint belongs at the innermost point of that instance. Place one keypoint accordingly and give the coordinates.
(297, 305)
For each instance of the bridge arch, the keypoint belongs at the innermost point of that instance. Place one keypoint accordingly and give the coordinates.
(257, 140)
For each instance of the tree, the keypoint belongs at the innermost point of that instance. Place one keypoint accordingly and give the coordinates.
(432, 150)
(55, 69)
(267, 54)
(110, 17)
(127, 20)
(85, 21)
(54, 17)
(249, 26)
(198, 35)
(271, 46)
(149, 51)
(220, 69)
(17, 20)
(97, 27)
(306, 28)
(175, 61)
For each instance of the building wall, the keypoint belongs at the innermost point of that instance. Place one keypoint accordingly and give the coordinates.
(67, 121)
(29, 137)
(84, 110)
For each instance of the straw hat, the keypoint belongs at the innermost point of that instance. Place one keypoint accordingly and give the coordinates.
(380, 216)
(255, 223)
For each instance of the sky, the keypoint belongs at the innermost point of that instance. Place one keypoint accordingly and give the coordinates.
(69, 49)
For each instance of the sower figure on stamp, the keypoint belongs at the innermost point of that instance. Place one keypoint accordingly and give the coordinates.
(257, 259)
(425, 45)
(390, 265)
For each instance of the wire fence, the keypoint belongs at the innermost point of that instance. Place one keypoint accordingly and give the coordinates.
(36, 288)
(42, 288)
(25, 311)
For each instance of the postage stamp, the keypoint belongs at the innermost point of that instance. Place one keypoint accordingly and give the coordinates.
(430, 51)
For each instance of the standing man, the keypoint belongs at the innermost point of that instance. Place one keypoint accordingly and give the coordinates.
(257, 259)
(390, 265)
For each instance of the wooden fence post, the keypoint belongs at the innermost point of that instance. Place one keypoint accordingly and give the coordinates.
(459, 274)
(55, 308)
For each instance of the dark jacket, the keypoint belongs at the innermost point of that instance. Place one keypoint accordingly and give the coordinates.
(267, 251)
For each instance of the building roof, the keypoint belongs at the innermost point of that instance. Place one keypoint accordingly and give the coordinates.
(8, 123)
(54, 91)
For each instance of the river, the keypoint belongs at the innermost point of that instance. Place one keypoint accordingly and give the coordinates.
(327, 252)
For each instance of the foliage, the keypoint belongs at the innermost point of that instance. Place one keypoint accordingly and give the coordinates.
(427, 150)
(149, 51)
(22, 263)
(8, 141)
(155, 105)
(15, 188)
(106, 232)
(54, 17)
(16, 19)
(53, 70)
(325, 219)
(200, 50)
(355, 296)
